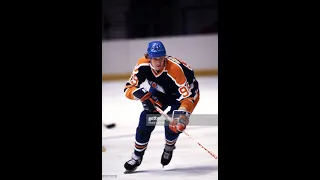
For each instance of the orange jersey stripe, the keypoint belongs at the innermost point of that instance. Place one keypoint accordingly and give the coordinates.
(141, 61)
(128, 92)
(188, 104)
(176, 73)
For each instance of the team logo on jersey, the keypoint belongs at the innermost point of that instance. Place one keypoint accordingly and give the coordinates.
(156, 86)
(153, 84)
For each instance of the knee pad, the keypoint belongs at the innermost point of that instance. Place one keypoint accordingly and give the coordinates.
(169, 132)
(145, 130)
(147, 121)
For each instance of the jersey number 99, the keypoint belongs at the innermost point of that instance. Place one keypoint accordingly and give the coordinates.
(185, 90)
(134, 80)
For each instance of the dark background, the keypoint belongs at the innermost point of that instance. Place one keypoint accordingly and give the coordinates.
(129, 19)
(51, 118)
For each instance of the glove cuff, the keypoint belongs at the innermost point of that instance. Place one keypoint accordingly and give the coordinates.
(142, 94)
(181, 116)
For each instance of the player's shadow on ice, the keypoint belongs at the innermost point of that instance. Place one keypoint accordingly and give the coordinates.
(187, 170)
(195, 169)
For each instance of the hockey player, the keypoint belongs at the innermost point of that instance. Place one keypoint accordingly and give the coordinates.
(172, 83)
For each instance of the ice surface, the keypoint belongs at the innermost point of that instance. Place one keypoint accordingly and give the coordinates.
(189, 161)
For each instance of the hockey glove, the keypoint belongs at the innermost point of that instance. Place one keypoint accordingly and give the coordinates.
(180, 121)
(147, 99)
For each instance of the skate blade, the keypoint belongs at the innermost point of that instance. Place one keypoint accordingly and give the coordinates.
(130, 171)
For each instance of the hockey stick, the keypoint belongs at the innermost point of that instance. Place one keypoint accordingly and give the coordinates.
(170, 119)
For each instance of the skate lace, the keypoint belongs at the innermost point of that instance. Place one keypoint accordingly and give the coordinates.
(132, 161)
(166, 155)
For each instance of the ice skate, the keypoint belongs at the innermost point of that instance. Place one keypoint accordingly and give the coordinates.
(133, 163)
(167, 155)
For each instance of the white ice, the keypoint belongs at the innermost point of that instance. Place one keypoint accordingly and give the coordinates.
(189, 160)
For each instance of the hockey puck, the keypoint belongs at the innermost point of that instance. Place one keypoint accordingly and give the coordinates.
(109, 126)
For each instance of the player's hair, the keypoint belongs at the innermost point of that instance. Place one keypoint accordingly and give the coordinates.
(146, 55)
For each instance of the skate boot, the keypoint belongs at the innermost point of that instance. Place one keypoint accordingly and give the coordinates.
(167, 154)
(133, 163)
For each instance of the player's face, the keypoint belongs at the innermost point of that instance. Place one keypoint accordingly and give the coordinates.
(157, 63)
